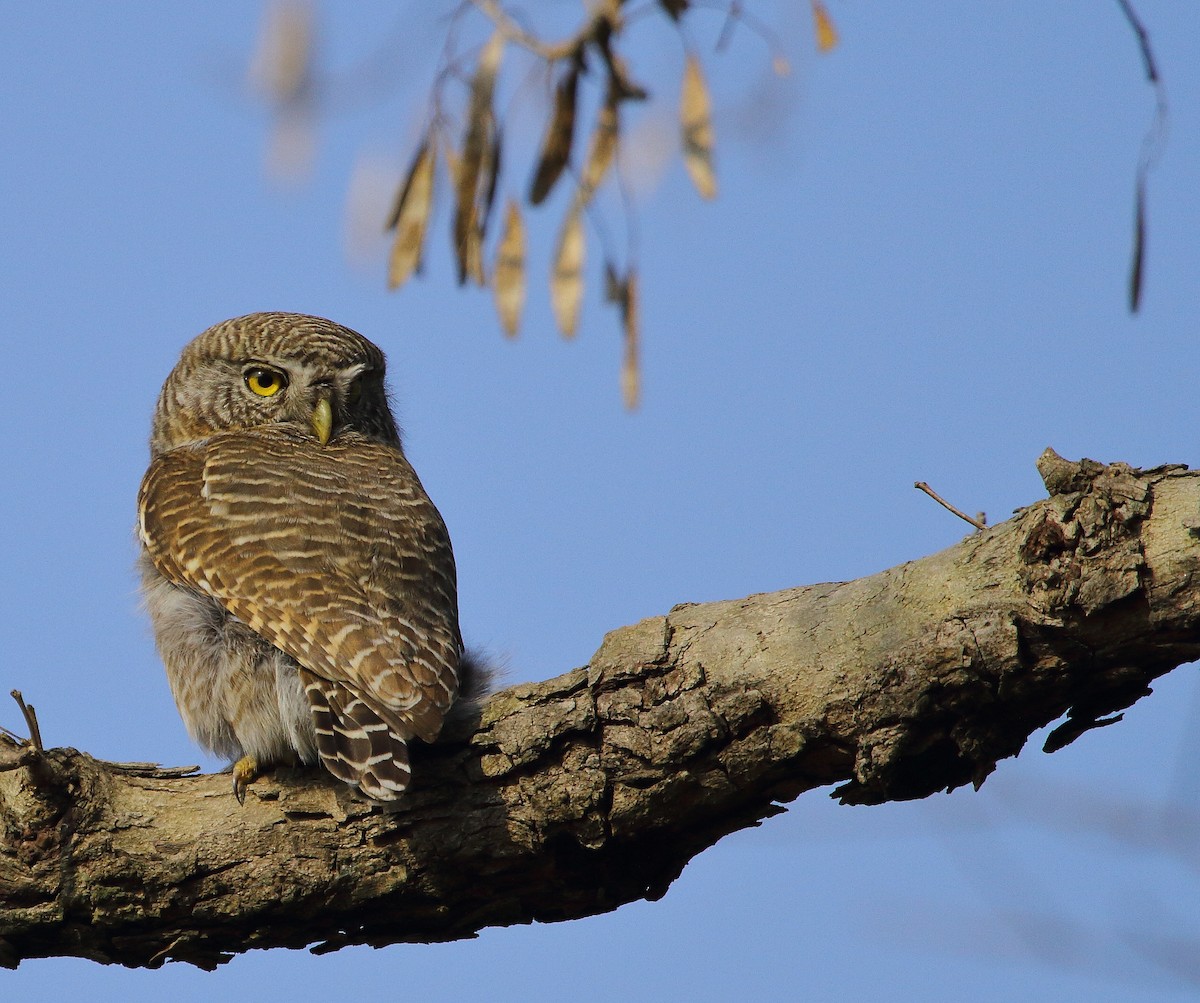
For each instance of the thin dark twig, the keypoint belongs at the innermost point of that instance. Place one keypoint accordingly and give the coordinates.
(737, 15)
(1143, 38)
(977, 523)
(1152, 146)
(1138, 255)
(31, 721)
(735, 11)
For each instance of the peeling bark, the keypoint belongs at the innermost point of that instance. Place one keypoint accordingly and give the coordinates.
(573, 796)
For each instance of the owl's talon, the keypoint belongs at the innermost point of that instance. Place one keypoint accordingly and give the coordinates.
(245, 772)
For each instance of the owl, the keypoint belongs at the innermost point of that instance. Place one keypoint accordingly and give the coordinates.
(300, 582)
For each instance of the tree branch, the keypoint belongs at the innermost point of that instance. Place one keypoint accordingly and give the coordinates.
(603, 19)
(576, 795)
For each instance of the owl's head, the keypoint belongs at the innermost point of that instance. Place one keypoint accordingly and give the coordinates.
(275, 368)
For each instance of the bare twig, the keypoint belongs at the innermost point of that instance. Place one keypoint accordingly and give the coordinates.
(1143, 38)
(736, 15)
(31, 721)
(735, 11)
(1151, 151)
(606, 17)
(159, 957)
(977, 523)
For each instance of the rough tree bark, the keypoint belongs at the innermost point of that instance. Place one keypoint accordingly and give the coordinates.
(574, 796)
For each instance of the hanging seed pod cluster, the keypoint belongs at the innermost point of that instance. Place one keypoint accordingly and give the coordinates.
(490, 247)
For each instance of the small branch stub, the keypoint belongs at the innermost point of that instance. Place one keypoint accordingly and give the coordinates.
(31, 721)
(978, 522)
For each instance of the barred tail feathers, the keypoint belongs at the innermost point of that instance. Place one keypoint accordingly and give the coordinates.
(356, 744)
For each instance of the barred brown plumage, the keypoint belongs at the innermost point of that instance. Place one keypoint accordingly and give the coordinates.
(300, 582)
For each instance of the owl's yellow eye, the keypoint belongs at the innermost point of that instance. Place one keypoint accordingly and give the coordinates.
(265, 382)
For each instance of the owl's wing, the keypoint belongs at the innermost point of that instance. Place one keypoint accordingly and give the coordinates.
(332, 553)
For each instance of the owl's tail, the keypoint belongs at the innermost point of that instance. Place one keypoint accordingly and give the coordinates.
(360, 743)
(355, 741)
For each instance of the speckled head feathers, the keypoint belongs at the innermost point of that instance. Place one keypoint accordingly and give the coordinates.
(206, 392)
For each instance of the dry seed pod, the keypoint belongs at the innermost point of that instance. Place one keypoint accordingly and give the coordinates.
(695, 113)
(477, 137)
(282, 66)
(613, 286)
(603, 148)
(556, 146)
(675, 8)
(402, 195)
(508, 277)
(631, 380)
(566, 279)
(410, 217)
(470, 260)
(471, 248)
(619, 79)
(489, 174)
(827, 37)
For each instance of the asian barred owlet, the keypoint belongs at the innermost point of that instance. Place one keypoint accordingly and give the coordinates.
(300, 582)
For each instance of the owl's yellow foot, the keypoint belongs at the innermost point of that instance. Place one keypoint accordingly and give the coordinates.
(245, 772)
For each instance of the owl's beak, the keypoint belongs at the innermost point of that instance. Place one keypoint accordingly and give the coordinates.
(322, 420)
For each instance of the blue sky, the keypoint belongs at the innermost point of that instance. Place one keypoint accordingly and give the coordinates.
(916, 270)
